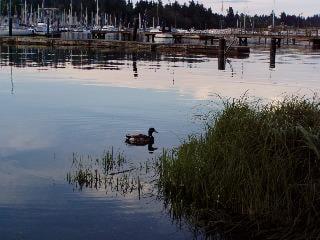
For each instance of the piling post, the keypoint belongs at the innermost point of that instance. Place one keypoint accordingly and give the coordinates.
(273, 50)
(273, 43)
(10, 26)
(48, 26)
(222, 45)
(316, 43)
(221, 55)
(135, 29)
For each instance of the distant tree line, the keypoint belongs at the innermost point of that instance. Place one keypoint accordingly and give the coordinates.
(188, 15)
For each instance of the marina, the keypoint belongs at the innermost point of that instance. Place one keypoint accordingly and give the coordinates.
(65, 27)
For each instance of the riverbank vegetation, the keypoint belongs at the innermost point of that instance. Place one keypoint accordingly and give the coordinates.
(255, 172)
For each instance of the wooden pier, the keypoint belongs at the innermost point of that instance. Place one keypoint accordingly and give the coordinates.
(130, 46)
(262, 36)
(281, 38)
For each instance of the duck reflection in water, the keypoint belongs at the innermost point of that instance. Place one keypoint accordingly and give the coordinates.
(142, 139)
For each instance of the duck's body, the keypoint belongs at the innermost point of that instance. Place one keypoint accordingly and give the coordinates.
(141, 139)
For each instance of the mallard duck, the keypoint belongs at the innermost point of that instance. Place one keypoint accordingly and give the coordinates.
(141, 139)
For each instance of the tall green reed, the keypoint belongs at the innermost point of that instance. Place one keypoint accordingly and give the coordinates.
(257, 162)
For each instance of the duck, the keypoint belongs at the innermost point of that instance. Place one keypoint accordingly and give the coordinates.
(141, 139)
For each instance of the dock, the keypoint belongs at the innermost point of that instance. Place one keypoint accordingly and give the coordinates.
(311, 36)
(129, 46)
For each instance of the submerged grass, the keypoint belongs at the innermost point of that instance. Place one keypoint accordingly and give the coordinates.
(111, 172)
(255, 169)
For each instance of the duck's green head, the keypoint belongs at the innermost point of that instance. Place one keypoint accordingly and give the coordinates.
(151, 131)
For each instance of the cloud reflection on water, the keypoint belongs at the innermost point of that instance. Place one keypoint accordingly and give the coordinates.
(197, 77)
(69, 101)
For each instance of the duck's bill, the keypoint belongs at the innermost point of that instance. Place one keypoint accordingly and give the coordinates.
(155, 131)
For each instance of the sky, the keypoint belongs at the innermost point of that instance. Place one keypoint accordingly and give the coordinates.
(251, 7)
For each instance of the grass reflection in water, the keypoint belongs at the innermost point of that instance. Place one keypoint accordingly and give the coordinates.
(113, 173)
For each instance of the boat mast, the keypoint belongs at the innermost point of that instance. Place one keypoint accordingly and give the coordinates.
(139, 21)
(97, 16)
(81, 22)
(86, 16)
(10, 18)
(71, 13)
(273, 17)
(31, 15)
(222, 9)
(25, 12)
(42, 17)
(158, 14)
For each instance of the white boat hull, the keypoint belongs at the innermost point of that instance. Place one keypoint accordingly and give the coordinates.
(163, 38)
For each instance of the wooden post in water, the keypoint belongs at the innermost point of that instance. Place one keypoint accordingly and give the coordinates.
(273, 43)
(221, 55)
(316, 43)
(273, 50)
(222, 45)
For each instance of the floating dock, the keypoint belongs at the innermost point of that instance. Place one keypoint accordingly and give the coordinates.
(130, 46)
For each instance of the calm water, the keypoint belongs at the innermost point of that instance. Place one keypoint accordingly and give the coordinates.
(55, 103)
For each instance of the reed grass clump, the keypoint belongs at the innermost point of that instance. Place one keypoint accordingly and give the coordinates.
(256, 168)
(111, 172)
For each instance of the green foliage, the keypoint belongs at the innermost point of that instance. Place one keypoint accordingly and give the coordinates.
(254, 162)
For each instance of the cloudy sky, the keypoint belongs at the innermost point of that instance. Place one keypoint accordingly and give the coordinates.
(304, 7)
